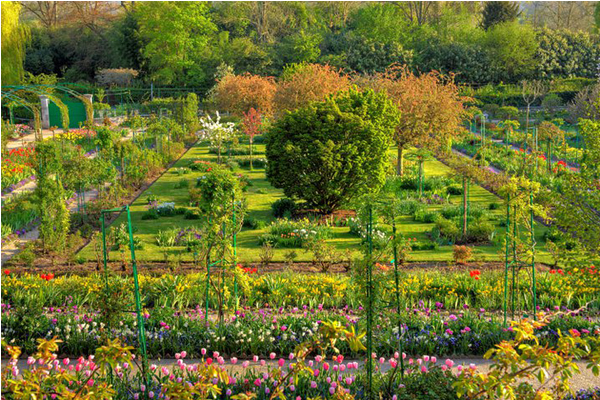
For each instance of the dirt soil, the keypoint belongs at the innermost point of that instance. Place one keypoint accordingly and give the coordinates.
(159, 268)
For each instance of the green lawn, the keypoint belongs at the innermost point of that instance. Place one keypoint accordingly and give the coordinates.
(261, 195)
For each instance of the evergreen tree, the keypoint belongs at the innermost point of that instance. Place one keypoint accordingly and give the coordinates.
(497, 12)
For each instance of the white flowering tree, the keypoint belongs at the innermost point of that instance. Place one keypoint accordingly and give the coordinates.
(216, 132)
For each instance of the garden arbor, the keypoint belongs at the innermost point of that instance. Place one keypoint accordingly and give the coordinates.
(46, 94)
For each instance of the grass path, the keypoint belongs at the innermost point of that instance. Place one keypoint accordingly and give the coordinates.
(260, 196)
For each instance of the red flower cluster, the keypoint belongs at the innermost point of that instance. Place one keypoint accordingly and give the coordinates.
(47, 277)
(248, 270)
(556, 271)
(475, 274)
(22, 152)
(7, 272)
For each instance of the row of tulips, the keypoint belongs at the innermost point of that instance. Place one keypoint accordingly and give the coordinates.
(415, 330)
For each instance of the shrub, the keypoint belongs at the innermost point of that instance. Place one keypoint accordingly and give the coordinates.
(283, 208)
(191, 214)
(454, 190)
(256, 162)
(426, 216)
(312, 156)
(462, 254)
(254, 223)
(493, 206)
(182, 184)
(150, 214)
(380, 237)
(446, 228)
(480, 231)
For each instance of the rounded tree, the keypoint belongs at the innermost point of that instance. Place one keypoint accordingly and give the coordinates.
(330, 152)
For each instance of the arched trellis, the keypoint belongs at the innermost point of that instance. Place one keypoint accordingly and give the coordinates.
(35, 89)
(89, 107)
(46, 90)
(35, 110)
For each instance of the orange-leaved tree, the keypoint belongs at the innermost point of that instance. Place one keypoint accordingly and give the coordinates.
(252, 124)
(301, 84)
(239, 93)
(432, 110)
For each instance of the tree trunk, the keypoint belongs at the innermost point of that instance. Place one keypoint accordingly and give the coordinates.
(250, 154)
(400, 166)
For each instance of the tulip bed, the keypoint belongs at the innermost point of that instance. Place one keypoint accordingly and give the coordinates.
(264, 331)
(443, 313)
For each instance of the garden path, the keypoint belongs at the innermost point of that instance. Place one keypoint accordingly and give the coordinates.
(12, 248)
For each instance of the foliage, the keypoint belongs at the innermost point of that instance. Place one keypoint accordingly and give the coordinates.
(337, 149)
(512, 48)
(216, 132)
(252, 124)
(462, 254)
(284, 208)
(564, 53)
(431, 109)
(239, 94)
(176, 37)
(302, 84)
(525, 358)
(54, 215)
(14, 39)
(294, 233)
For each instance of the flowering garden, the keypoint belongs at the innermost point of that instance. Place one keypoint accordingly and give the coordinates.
(328, 248)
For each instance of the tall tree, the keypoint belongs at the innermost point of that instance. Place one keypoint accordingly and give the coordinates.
(431, 109)
(14, 37)
(498, 12)
(176, 36)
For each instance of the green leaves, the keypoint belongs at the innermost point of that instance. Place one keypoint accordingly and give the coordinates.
(331, 152)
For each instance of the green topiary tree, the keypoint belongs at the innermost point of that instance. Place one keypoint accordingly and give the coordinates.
(330, 152)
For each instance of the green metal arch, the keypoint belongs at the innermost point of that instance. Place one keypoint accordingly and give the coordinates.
(33, 89)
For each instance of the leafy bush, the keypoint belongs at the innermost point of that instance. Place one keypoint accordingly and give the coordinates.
(191, 214)
(479, 231)
(150, 214)
(358, 228)
(422, 214)
(474, 211)
(454, 190)
(494, 206)
(254, 223)
(283, 208)
(256, 162)
(447, 229)
(182, 184)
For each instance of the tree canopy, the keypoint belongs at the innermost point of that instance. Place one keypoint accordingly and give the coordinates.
(330, 152)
